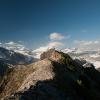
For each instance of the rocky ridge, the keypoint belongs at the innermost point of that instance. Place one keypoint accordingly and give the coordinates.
(55, 77)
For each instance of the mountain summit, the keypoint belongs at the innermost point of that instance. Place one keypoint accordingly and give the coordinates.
(55, 77)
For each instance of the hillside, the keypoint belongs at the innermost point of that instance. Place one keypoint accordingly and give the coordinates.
(14, 58)
(92, 56)
(55, 77)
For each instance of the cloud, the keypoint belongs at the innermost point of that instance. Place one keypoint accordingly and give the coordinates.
(52, 44)
(87, 45)
(56, 36)
(37, 52)
(40, 49)
(0, 44)
(55, 44)
(83, 42)
(14, 46)
(10, 43)
(48, 46)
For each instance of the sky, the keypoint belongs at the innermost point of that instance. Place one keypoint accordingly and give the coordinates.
(50, 23)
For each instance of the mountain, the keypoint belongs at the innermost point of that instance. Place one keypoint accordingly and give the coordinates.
(76, 53)
(12, 57)
(89, 55)
(55, 77)
(3, 68)
(17, 47)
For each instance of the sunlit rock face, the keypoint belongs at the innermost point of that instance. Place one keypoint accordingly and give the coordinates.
(51, 54)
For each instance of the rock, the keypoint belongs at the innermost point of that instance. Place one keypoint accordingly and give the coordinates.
(88, 65)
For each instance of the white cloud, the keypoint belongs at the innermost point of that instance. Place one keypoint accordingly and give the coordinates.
(0, 44)
(87, 45)
(13, 45)
(37, 52)
(83, 42)
(55, 44)
(96, 42)
(10, 43)
(52, 44)
(40, 49)
(48, 46)
(56, 36)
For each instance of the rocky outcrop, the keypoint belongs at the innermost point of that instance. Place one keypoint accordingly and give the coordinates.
(51, 54)
(88, 65)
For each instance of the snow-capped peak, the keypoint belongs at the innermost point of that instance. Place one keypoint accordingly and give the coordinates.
(16, 47)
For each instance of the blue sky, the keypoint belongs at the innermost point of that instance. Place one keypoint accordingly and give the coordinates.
(32, 21)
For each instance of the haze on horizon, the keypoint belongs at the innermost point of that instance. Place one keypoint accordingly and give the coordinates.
(50, 23)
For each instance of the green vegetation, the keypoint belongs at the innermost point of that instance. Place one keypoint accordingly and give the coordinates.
(79, 82)
(67, 60)
(83, 89)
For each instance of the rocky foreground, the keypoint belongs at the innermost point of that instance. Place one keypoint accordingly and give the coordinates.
(55, 77)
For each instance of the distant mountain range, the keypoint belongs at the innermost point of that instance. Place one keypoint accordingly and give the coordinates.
(92, 56)
(14, 58)
(15, 49)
